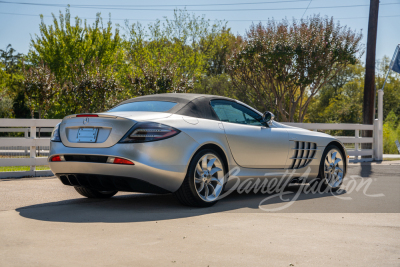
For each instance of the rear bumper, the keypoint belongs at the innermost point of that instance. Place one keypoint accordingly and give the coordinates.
(162, 163)
(110, 183)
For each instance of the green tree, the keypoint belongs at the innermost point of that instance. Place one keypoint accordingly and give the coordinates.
(5, 99)
(10, 60)
(341, 99)
(63, 44)
(391, 97)
(93, 89)
(391, 133)
(41, 87)
(282, 66)
(172, 56)
(11, 77)
(215, 85)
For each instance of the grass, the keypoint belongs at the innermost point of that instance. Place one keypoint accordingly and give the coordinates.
(23, 168)
(391, 159)
(13, 157)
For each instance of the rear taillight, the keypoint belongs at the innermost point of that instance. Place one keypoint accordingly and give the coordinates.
(148, 132)
(87, 115)
(55, 135)
(57, 158)
(119, 161)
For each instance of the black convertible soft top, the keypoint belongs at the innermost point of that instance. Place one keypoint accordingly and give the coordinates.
(193, 105)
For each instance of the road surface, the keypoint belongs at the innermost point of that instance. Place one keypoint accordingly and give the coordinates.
(43, 223)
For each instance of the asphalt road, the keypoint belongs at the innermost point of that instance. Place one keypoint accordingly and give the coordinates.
(43, 223)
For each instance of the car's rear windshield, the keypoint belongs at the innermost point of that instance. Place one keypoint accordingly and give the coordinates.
(154, 106)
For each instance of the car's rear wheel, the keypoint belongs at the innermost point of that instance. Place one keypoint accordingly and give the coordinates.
(204, 181)
(332, 168)
(91, 193)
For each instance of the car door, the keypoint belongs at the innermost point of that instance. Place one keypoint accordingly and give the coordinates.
(253, 144)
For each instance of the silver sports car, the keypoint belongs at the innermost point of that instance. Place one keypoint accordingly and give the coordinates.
(186, 144)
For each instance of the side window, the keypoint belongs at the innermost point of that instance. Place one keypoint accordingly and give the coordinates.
(233, 112)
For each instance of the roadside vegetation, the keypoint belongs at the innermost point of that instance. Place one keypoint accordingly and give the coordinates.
(24, 168)
(302, 71)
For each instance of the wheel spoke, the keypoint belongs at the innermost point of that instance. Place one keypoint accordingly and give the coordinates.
(337, 161)
(215, 170)
(204, 162)
(216, 180)
(211, 163)
(208, 180)
(332, 172)
(333, 157)
(201, 187)
(199, 170)
(212, 190)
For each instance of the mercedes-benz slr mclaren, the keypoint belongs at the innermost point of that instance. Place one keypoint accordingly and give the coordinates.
(186, 144)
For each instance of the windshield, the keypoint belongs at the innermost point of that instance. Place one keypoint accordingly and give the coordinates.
(154, 106)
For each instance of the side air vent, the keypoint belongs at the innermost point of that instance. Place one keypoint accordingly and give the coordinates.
(303, 154)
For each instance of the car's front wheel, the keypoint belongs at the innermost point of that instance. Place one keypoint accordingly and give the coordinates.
(91, 193)
(332, 168)
(204, 181)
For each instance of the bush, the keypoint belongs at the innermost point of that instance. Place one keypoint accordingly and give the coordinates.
(391, 133)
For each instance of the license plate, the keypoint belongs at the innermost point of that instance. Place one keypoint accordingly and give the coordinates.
(87, 135)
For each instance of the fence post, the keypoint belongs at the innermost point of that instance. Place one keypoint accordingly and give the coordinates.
(380, 126)
(33, 148)
(375, 144)
(356, 146)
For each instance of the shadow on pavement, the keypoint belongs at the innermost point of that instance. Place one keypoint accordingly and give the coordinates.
(366, 169)
(149, 207)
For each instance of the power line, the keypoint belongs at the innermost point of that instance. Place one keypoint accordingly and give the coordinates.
(229, 4)
(244, 20)
(202, 10)
(306, 9)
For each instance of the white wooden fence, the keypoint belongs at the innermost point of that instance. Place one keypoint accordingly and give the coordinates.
(26, 126)
(31, 141)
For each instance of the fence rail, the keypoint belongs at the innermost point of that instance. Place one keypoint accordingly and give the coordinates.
(30, 142)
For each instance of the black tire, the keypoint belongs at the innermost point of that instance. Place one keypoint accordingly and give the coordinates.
(187, 193)
(322, 180)
(91, 193)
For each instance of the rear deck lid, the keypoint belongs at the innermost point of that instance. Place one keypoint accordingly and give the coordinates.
(101, 129)
(94, 130)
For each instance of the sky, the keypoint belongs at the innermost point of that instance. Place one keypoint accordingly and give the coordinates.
(21, 21)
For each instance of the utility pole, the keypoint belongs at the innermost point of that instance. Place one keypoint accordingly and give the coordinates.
(369, 82)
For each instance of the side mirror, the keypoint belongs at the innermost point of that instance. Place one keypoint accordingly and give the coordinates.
(268, 117)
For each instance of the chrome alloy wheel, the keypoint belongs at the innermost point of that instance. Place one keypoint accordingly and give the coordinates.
(333, 168)
(209, 177)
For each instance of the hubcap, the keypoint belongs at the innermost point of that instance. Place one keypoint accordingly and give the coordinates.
(333, 168)
(209, 177)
